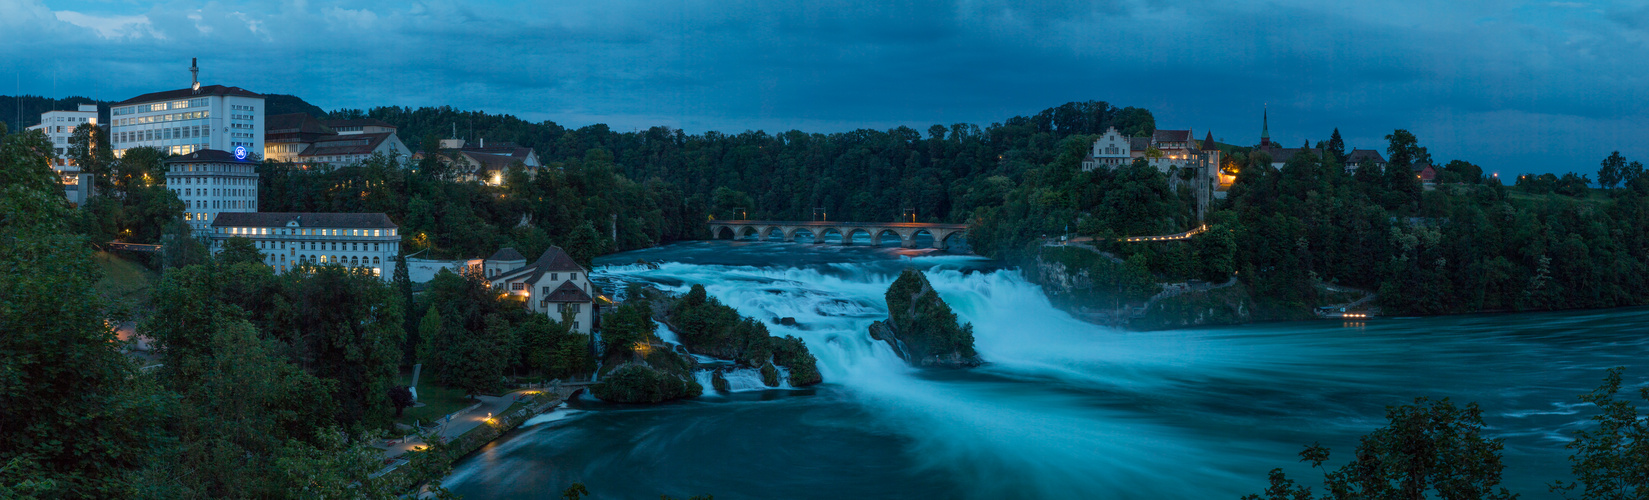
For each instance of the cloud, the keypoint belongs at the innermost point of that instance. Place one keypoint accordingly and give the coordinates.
(1451, 71)
(111, 27)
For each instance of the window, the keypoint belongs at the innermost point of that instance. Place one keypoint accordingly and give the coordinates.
(575, 325)
(518, 286)
(554, 277)
(546, 291)
(573, 276)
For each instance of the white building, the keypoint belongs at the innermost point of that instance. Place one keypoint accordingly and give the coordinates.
(59, 128)
(288, 239)
(550, 285)
(300, 138)
(212, 182)
(1109, 151)
(188, 120)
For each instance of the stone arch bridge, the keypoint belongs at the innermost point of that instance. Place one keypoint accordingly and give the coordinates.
(906, 231)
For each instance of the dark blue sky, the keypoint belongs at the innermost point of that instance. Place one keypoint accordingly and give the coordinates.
(1513, 86)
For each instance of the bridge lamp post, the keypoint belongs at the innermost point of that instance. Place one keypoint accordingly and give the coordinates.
(741, 214)
(820, 215)
(907, 215)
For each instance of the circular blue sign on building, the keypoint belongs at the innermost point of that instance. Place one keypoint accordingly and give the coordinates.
(240, 152)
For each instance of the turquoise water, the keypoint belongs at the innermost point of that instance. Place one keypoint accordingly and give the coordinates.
(1062, 409)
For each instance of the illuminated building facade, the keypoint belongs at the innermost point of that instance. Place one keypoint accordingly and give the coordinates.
(59, 127)
(211, 182)
(187, 120)
(290, 239)
(553, 285)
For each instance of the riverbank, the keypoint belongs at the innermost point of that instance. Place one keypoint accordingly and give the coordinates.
(410, 463)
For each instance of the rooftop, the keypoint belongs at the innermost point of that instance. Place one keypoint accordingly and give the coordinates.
(205, 156)
(303, 219)
(205, 90)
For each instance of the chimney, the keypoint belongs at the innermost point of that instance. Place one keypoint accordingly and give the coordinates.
(194, 76)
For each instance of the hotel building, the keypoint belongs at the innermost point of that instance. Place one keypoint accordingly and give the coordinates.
(211, 182)
(288, 239)
(188, 120)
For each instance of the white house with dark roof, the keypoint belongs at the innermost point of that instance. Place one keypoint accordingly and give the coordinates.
(188, 120)
(551, 285)
(1110, 150)
(212, 182)
(300, 138)
(289, 239)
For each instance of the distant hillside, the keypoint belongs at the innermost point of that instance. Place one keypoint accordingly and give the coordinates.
(32, 105)
(280, 104)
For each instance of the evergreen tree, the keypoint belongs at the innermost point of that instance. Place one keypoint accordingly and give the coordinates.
(1336, 147)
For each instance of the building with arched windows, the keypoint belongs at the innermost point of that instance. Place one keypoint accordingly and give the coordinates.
(292, 239)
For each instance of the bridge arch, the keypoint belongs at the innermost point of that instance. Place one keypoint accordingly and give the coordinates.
(944, 239)
(853, 234)
(824, 234)
(883, 234)
(745, 232)
(795, 232)
(771, 231)
(914, 243)
(723, 233)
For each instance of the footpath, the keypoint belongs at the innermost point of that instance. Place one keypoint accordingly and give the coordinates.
(467, 430)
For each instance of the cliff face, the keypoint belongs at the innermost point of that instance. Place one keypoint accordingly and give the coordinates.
(921, 328)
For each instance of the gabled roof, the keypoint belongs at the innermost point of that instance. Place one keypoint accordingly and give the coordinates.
(207, 90)
(1171, 136)
(1420, 166)
(553, 259)
(490, 161)
(350, 144)
(205, 156)
(303, 219)
(556, 259)
(1358, 156)
(1139, 143)
(506, 254)
(567, 292)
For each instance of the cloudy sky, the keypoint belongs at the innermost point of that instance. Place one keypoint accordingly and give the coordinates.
(1514, 86)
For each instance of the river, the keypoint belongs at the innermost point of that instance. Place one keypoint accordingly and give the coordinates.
(1063, 409)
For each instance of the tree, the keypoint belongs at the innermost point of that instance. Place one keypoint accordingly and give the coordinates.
(1336, 147)
(428, 329)
(401, 397)
(630, 324)
(77, 417)
(239, 249)
(1608, 461)
(1427, 450)
(182, 248)
(347, 326)
(1612, 170)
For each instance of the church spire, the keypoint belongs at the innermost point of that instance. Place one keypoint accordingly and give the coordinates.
(1265, 126)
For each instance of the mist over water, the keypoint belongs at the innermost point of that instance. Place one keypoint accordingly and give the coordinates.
(1061, 409)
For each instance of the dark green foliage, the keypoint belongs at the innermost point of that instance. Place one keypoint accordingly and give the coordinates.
(628, 325)
(770, 375)
(924, 322)
(706, 326)
(77, 416)
(1427, 450)
(637, 383)
(1610, 460)
(239, 249)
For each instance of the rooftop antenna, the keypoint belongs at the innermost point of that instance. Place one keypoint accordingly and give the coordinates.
(194, 76)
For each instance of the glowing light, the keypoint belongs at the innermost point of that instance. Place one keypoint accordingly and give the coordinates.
(240, 152)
